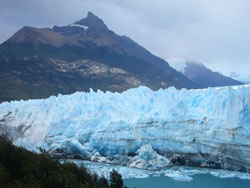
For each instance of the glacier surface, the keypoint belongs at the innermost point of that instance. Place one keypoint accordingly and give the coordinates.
(138, 128)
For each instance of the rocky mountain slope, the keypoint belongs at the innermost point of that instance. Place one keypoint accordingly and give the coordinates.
(138, 128)
(37, 63)
(204, 77)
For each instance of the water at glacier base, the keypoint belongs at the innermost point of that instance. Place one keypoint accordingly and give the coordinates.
(199, 181)
(172, 177)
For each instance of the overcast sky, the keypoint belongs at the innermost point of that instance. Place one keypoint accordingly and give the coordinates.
(214, 32)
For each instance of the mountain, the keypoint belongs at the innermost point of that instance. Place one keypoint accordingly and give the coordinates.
(40, 62)
(139, 127)
(205, 77)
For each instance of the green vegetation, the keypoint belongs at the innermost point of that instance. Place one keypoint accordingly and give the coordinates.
(115, 180)
(20, 168)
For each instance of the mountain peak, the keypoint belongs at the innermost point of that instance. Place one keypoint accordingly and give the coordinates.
(92, 21)
(91, 15)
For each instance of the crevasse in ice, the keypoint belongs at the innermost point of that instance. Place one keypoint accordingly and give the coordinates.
(206, 125)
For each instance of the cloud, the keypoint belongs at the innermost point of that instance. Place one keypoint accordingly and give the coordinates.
(213, 32)
(178, 64)
(234, 75)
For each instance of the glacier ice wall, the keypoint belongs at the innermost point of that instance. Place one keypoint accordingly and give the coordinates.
(206, 127)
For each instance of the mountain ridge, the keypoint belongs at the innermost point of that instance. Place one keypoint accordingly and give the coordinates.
(205, 77)
(39, 62)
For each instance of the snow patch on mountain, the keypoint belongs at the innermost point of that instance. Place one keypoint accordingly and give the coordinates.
(78, 25)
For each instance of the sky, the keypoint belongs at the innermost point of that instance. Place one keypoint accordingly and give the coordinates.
(215, 32)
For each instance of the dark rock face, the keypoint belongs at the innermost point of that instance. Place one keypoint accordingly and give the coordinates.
(37, 63)
(92, 21)
(205, 77)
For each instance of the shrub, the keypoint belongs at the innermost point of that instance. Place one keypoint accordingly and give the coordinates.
(115, 179)
(21, 168)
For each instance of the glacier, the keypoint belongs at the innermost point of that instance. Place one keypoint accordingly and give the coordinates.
(138, 128)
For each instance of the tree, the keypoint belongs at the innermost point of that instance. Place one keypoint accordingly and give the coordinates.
(115, 179)
(104, 182)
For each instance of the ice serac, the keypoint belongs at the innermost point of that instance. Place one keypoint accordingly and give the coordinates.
(139, 127)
